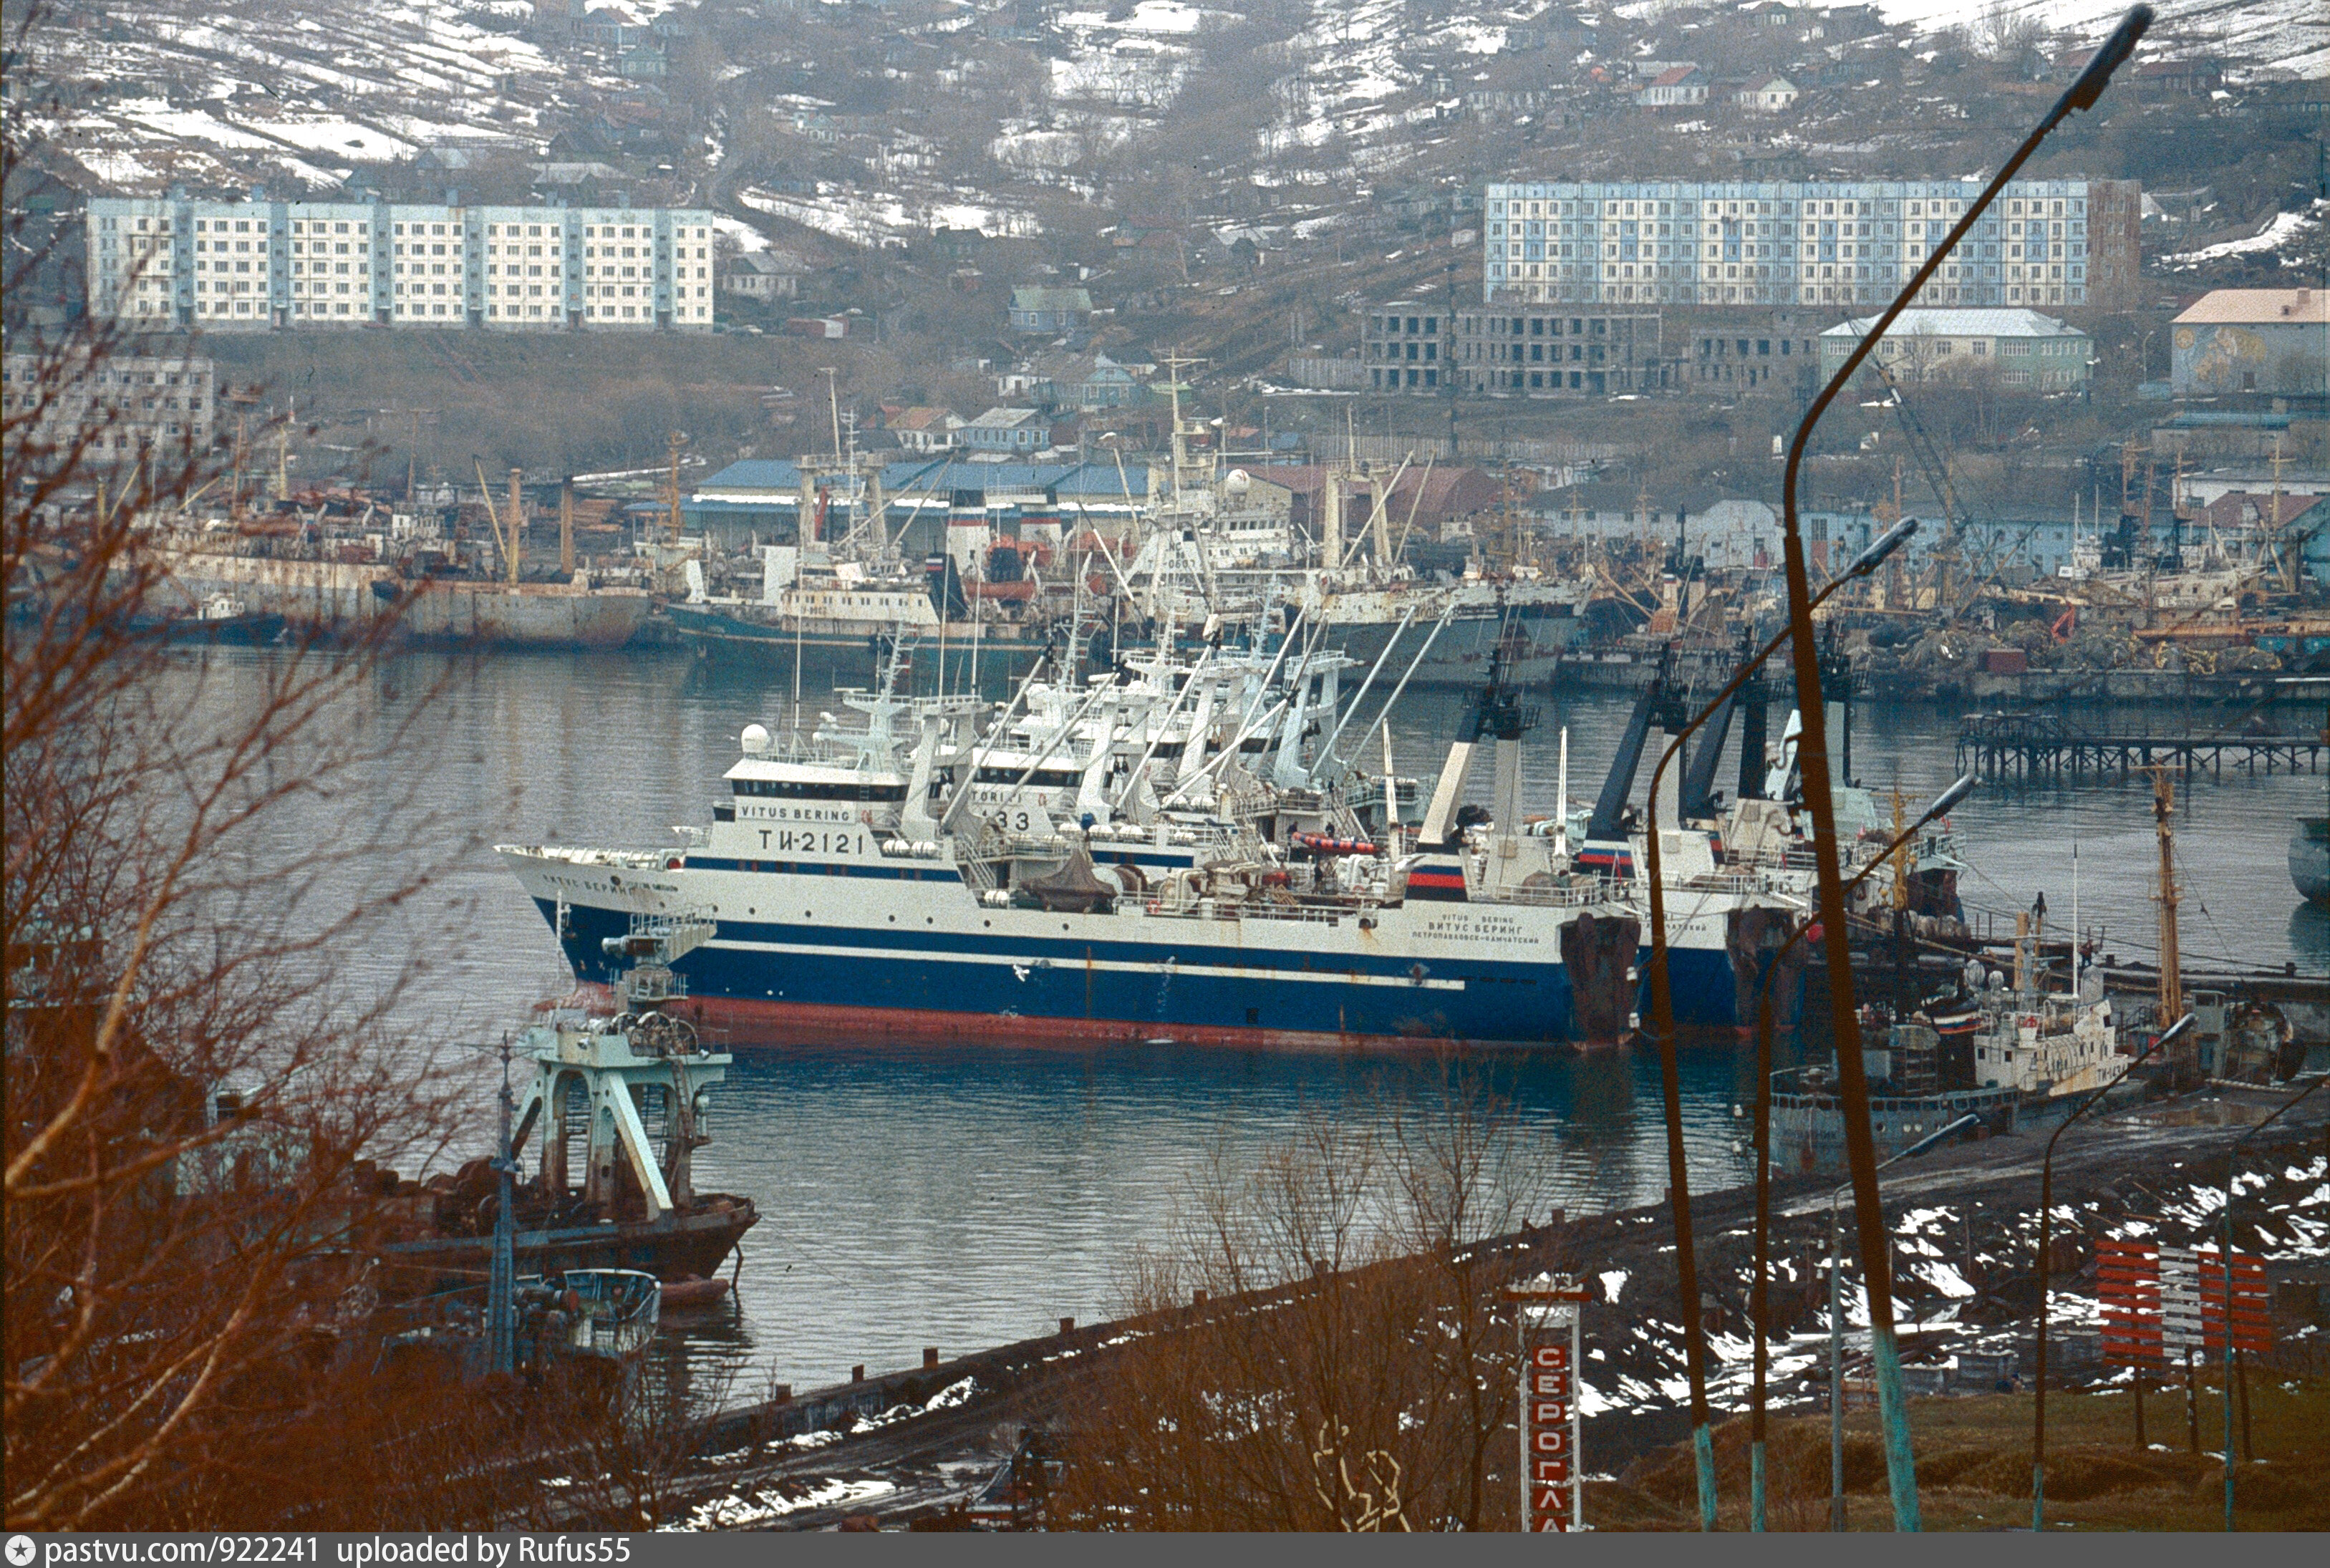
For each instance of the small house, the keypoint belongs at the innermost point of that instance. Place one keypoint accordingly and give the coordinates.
(1769, 95)
(1040, 309)
(926, 429)
(1677, 86)
(1008, 433)
(762, 274)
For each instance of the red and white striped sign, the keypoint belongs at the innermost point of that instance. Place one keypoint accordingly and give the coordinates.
(2161, 1301)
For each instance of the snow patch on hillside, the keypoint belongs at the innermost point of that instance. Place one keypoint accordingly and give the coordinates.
(2284, 231)
(2278, 35)
(869, 218)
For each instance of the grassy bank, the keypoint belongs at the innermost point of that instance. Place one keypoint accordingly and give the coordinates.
(1973, 1466)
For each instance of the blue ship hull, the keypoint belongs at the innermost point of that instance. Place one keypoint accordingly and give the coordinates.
(776, 983)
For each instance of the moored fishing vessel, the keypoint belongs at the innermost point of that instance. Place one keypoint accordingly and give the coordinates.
(352, 590)
(936, 884)
(610, 1121)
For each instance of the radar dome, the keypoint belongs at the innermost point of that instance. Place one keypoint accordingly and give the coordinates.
(1238, 481)
(756, 738)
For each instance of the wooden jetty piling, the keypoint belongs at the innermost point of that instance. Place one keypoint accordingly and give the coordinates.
(2043, 748)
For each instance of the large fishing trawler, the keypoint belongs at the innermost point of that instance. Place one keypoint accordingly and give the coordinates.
(1043, 878)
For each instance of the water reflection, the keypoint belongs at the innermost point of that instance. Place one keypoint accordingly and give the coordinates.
(916, 1198)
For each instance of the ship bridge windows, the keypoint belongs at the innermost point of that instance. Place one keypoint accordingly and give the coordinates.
(801, 789)
(1042, 779)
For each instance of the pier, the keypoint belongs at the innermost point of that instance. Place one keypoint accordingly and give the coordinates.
(2043, 748)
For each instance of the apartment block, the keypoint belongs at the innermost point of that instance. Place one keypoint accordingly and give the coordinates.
(1549, 354)
(123, 403)
(259, 264)
(1775, 354)
(1842, 244)
(1405, 346)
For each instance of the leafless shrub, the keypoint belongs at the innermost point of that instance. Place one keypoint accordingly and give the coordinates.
(1347, 1367)
(633, 1442)
(192, 1080)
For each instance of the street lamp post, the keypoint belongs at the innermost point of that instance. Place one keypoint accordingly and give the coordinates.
(2232, 1169)
(1943, 804)
(2046, 1244)
(1812, 748)
(1662, 1026)
(1836, 1314)
(501, 1280)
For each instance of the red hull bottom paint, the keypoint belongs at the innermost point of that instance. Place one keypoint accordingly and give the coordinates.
(745, 1024)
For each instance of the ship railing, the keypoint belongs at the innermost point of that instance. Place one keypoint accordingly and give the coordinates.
(629, 859)
(1954, 1099)
(1722, 882)
(1595, 889)
(1240, 909)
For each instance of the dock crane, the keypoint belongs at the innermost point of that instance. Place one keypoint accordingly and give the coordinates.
(1934, 466)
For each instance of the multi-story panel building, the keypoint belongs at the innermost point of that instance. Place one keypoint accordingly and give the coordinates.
(1405, 346)
(1545, 353)
(1775, 355)
(2021, 348)
(1844, 242)
(225, 265)
(118, 404)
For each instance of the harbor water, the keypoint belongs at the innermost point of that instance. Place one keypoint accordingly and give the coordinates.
(961, 1198)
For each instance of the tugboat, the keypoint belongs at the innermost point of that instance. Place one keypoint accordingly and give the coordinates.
(224, 619)
(628, 1095)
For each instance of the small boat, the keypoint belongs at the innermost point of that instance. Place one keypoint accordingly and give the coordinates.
(608, 1313)
(224, 619)
(608, 1316)
(2309, 859)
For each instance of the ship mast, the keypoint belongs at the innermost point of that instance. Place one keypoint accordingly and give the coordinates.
(1900, 854)
(2283, 558)
(518, 524)
(2172, 978)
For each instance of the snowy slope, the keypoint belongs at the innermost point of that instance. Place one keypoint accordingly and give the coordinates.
(214, 97)
(1355, 94)
(2281, 35)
